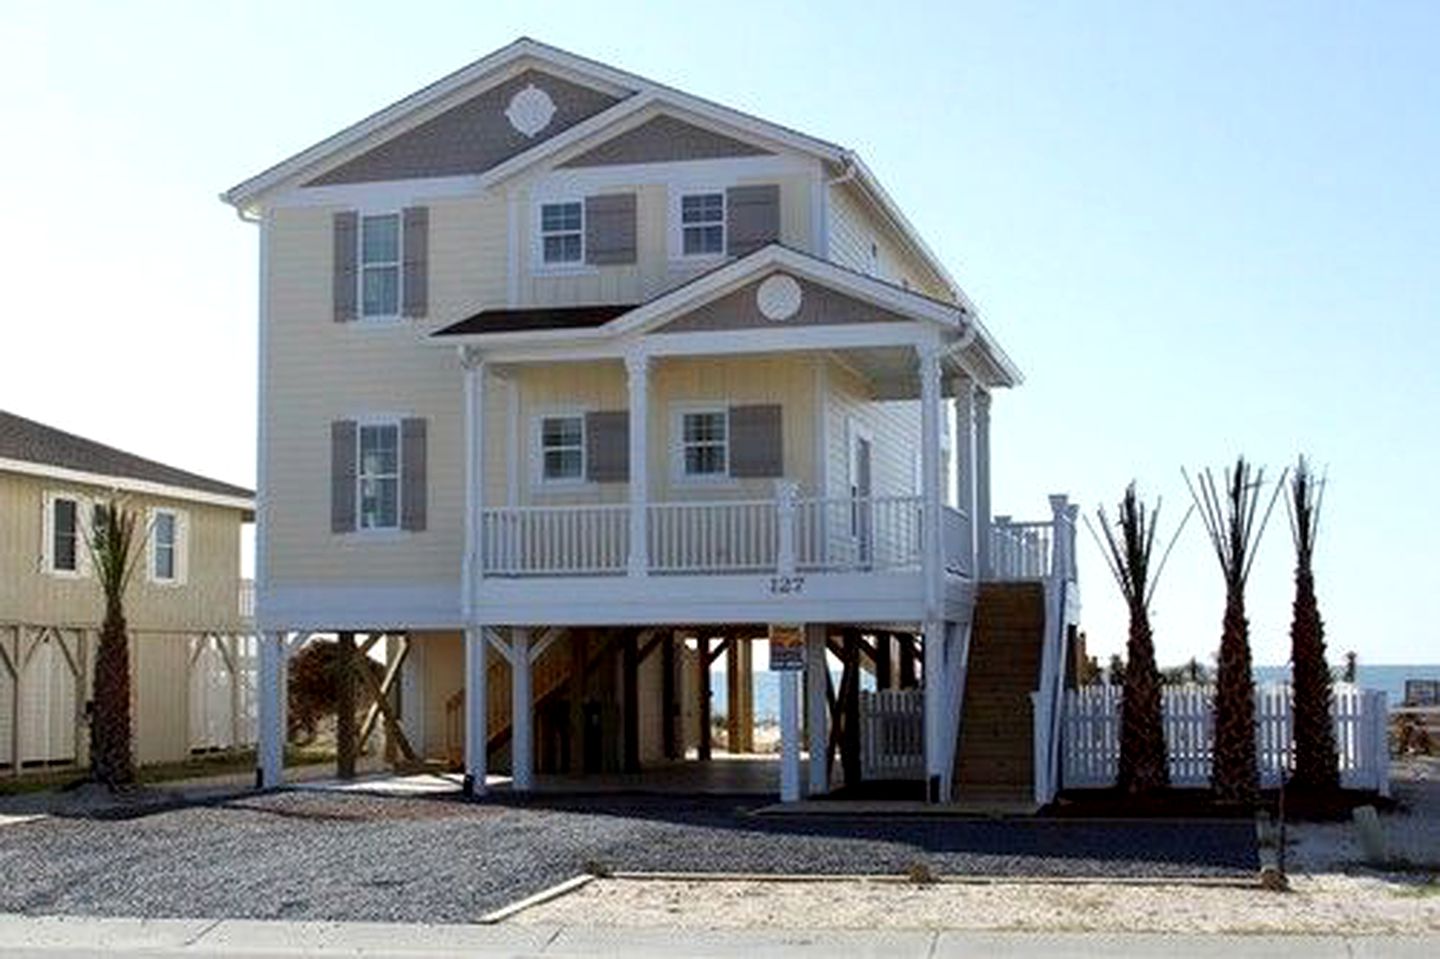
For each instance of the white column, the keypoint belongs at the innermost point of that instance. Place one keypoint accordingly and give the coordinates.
(272, 711)
(930, 479)
(637, 371)
(412, 693)
(937, 776)
(816, 706)
(472, 564)
(477, 732)
(982, 479)
(522, 713)
(789, 735)
(964, 445)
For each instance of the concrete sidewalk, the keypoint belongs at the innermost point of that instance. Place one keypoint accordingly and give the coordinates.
(53, 936)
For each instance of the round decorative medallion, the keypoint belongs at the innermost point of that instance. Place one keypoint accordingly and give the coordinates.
(530, 110)
(778, 297)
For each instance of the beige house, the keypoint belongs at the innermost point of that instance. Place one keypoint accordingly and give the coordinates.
(567, 375)
(188, 610)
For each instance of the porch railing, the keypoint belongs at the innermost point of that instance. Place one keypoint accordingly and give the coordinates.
(1021, 550)
(555, 540)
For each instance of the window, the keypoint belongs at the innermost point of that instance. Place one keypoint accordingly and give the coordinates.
(702, 224)
(562, 448)
(163, 537)
(378, 476)
(380, 265)
(562, 233)
(704, 438)
(64, 535)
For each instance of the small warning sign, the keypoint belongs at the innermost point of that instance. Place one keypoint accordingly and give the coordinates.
(787, 647)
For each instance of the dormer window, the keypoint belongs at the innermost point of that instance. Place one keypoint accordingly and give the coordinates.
(380, 265)
(562, 233)
(702, 224)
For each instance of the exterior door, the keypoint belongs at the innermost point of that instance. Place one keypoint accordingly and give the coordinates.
(862, 512)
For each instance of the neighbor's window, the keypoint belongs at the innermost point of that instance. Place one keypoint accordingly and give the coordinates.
(162, 552)
(702, 224)
(65, 535)
(704, 437)
(562, 448)
(562, 230)
(379, 476)
(380, 265)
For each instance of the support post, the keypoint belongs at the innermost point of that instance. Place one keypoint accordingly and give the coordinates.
(473, 560)
(271, 708)
(522, 713)
(930, 480)
(817, 678)
(667, 695)
(936, 776)
(702, 643)
(477, 733)
(909, 675)
(964, 445)
(345, 740)
(884, 658)
(789, 735)
(630, 667)
(579, 640)
(982, 482)
(850, 708)
(637, 371)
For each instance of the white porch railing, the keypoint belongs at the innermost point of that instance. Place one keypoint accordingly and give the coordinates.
(892, 734)
(865, 533)
(1091, 747)
(730, 537)
(555, 540)
(1021, 550)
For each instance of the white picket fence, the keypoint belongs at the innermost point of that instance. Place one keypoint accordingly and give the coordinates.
(892, 734)
(1090, 745)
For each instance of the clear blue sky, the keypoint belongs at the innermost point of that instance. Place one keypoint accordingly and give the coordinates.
(1200, 228)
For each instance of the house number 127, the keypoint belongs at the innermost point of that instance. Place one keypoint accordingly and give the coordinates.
(785, 585)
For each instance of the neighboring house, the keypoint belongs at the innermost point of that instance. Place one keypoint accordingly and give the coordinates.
(187, 608)
(564, 365)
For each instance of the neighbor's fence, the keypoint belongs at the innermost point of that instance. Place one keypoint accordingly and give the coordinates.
(892, 734)
(1090, 747)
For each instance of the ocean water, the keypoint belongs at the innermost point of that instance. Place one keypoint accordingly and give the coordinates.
(1389, 678)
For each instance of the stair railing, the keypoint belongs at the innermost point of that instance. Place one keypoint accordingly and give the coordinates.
(1046, 701)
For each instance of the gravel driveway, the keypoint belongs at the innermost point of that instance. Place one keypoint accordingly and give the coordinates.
(324, 856)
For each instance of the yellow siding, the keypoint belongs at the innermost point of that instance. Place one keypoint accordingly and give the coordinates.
(853, 228)
(208, 599)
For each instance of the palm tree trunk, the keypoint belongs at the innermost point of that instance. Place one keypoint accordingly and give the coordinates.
(1235, 774)
(110, 757)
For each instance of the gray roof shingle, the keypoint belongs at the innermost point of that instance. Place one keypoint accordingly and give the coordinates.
(32, 442)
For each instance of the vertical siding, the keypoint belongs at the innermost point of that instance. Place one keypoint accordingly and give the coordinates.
(160, 690)
(893, 425)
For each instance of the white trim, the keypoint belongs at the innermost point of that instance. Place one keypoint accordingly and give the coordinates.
(538, 481)
(47, 554)
(539, 266)
(678, 411)
(261, 504)
(379, 319)
(675, 226)
(129, 485)
(179, 530)
(690, 175)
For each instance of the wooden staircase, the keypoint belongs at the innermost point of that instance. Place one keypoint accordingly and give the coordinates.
(994, 757)
(548, 674)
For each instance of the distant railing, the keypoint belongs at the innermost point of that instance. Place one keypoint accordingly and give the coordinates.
(892, 740)
(554, 540)
(246, 598)
(1092, 735)
(1020, 550)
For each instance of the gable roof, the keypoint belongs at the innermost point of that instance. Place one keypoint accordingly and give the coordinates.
(634, 93)
(30, 447)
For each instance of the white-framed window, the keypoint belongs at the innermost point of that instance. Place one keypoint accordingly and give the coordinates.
(562, 233)
(377, 475)
(562, 448)
(164, 546)
(380, 265)
(702, 223)
(65, 536)
(704, 443)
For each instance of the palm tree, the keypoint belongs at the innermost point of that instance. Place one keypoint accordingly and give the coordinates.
(1144, 766)
(1317, 766)
(113, 551)
(1230, 515)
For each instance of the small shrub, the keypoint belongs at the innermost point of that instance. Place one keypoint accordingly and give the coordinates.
(920, 873)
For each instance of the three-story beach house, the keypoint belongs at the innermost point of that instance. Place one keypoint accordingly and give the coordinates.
(565, 374)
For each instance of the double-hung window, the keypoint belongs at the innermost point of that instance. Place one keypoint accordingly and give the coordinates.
(704, 438)
(562, 449)
(702, 224)
(378, 476)
(65, 535)
(562, 233)
(380, 265)
(164, 542)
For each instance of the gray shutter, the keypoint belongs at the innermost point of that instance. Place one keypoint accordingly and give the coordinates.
(342, 476)
(610, 229)
(607, 446)
(756, 448)
(415, 246)
(752, 218)
(412, 474)
(347, 250)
